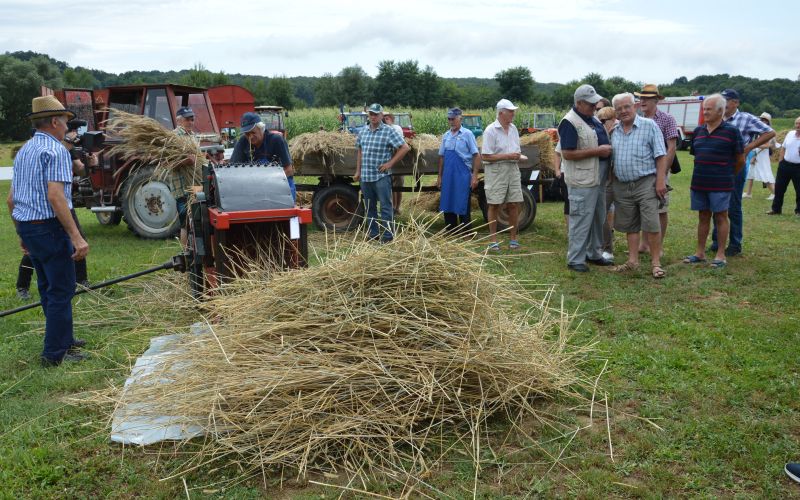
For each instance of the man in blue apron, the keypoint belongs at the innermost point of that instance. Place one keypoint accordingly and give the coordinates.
(457, 154)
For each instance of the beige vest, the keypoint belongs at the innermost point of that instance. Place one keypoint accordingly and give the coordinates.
(582, 173)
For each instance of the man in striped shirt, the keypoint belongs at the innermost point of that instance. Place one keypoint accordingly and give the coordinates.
(718, 156)
(40, 203)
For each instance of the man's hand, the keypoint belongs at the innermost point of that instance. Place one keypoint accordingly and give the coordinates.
(513, 156)
(357, 176)
(661, 188)
(23, 247)
(473, 183)
(439, 182)
(81, 248)
(384, 167)
(604, 149)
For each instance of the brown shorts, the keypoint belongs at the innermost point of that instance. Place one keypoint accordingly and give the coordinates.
(502, 183)
(398, 180)
(636, 206)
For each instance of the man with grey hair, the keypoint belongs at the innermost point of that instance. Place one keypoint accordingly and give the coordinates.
(585, 153)
(258, 145)
(501, 155)
(640, 172)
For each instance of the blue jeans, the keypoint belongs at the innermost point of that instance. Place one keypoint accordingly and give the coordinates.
(50, 249)
(374, 193)
(735, 214)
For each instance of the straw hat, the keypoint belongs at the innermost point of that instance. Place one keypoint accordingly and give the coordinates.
(48, 105)
(649, 90)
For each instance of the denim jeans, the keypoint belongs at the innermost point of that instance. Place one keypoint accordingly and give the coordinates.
(735, 214)
(374, 193)
(50, 249)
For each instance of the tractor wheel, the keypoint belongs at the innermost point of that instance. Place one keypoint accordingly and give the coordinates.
(109, 218)
(336, 207)
(527, 211)
(149, 208)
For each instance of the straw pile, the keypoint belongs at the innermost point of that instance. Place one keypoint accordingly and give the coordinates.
(144, 139)
(372, 363)
(544, 141)
(329, 146)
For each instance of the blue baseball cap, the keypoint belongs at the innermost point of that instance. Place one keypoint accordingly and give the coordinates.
(729, 94)
(185, 112)
(453, 112)
(249, 120)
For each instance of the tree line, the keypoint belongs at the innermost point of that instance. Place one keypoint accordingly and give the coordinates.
(397, 84)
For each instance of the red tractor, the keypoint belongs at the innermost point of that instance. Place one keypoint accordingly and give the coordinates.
(117, 189)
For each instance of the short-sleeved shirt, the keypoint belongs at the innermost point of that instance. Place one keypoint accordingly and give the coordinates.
(568, 136)
(666, 122)
(41, 160)
(497, 141)
(715, 157)
(272, 148)
(377, 147)
(749, 126)
(791, 144)
(462, 142)
(635, 152)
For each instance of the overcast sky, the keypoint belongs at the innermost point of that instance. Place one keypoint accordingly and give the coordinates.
(559, 40)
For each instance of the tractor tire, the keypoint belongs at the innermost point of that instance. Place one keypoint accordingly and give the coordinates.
(337, 208)
(148, 205)
(527, 211)
(109, 218)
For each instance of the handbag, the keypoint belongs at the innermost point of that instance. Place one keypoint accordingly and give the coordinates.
(676, 165)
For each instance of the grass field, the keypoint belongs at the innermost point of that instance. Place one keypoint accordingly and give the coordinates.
(709, 356)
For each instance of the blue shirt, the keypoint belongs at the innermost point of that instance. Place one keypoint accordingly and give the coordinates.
(635, 152)
(41, 160)
(749, 126)
(568, 136)
(272, 148)
(377, 147)
(715, 157)
(462, 142)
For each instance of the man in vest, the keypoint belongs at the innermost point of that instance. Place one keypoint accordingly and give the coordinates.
(585, 153)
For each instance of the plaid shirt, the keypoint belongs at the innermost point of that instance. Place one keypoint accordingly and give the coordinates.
(41, 160)
(635, 152)
(749, 126)
(377, 147)
(667, 124)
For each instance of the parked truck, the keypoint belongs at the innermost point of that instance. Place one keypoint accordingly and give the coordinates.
(688, 113)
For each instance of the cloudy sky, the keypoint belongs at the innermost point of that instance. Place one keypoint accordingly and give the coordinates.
(559, 40)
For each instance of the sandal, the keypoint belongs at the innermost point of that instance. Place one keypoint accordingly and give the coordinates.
(718, 264)
(658, 272)
(513, 244)
(693, 259)
(494, 247)
(627, 266)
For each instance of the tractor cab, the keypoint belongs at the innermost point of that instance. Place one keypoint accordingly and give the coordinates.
(473, 123)
(404, 121)
(272, 116)
(353, 122)
(536, 122)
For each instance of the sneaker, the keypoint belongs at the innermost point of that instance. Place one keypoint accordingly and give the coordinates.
(771, 197)
(70, 357)
(793, 471)
(745, 195)
(608, 255)
(23, 294)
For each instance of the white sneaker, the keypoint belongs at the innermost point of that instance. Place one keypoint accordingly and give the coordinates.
(745, 195)
(771, 197)
(608, 256)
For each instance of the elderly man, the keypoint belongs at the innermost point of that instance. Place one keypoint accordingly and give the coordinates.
(585, 153)
(648, 103)
(39, 203)
(379, 147)
(459, 162)
(640, 172)
(181, 180)
(184, 117)
(788, 170)
(754, 133)
(501, 154)
(717, 149)
(258, 145)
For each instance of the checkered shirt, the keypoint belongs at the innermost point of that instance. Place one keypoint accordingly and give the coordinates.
(749, 126)
(377, 147)
(635, 152)
(41, 160)
(667, 124)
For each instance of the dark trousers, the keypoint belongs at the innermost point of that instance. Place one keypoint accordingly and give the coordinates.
(735, 213)
(454, 221)
(25, 272)
(51, 251)
(787, 171)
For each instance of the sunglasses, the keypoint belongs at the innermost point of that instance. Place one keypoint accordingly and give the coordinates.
(604, 120)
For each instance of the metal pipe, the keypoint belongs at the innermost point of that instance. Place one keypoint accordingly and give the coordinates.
(105, 209)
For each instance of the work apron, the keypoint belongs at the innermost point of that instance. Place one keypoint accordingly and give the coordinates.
(456, 179)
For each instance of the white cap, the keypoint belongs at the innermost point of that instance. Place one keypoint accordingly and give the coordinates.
(506, 104)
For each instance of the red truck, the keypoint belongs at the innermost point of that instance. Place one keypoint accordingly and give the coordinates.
(688, 112)
(117, 189)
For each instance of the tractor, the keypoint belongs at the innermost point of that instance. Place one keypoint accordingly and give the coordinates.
(272, 116)
(473, 123)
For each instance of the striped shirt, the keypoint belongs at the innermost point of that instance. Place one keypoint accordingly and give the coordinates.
(377, 147)
(715, 157)
(749, 126)
(635, 151)
(41, 160)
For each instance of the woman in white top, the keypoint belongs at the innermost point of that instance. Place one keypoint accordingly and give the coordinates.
(760, 166)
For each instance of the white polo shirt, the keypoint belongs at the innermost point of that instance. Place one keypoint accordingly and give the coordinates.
(792, 146)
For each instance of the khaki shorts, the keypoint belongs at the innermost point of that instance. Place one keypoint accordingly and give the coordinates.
(636, 206)
(502, 183)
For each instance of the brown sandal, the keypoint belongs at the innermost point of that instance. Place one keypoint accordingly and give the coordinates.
(627, 266)
(658, 272)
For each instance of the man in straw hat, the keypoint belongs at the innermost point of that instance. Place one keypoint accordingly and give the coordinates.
(585, 153)
(648, 99)
(40, 203)
(501, 154)
(755, 133)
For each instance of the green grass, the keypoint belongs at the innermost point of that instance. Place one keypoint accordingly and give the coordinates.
(5, 153)
(710, 356)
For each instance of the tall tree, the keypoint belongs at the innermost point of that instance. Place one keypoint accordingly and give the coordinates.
(354, 85)
(325, 91)
(280, 92)
(19, 84)
(516, 84)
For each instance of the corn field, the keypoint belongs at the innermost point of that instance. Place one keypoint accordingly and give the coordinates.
(426, 121)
